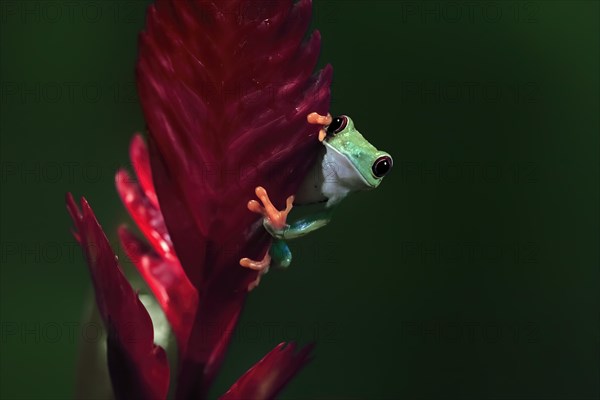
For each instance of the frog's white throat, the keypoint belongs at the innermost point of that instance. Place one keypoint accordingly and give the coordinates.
(340, 176)
(331, 178)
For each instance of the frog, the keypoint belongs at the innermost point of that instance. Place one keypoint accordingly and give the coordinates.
(346, 163)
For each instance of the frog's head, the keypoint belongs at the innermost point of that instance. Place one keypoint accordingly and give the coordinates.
(371, 164)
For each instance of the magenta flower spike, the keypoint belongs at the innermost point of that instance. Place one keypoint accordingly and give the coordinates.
(226, 87)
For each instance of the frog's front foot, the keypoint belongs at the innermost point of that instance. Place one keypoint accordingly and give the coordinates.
(274, 220)
(261, 266)
(318, 119)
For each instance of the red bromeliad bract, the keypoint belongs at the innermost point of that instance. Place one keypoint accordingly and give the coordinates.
(225, 86)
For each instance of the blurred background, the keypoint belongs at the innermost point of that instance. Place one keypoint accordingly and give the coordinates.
(472, 272)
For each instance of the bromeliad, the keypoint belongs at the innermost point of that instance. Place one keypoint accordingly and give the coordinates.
(226, 88)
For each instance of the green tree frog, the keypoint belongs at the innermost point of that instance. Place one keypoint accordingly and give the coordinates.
(346, 163)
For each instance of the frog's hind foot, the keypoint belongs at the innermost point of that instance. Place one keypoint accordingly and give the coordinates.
(261, 266)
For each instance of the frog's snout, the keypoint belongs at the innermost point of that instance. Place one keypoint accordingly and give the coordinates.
(382, 166)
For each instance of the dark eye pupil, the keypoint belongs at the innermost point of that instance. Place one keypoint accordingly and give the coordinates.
(337, 125)
(382, 166)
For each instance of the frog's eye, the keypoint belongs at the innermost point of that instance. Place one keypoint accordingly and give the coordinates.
(382, 166)
(337, 125)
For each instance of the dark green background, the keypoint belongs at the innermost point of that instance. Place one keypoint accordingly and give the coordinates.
(472, 272)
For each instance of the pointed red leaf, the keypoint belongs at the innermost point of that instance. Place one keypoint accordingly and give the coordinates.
(138, 154)
(138, 367)
(165, 277)
(268, 376)
(146, 215)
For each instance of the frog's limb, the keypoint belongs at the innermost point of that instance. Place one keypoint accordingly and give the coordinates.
(317, 119)
(281, 256)
(261, 266)
(301, 227)
(272, 216)
(274, 222)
